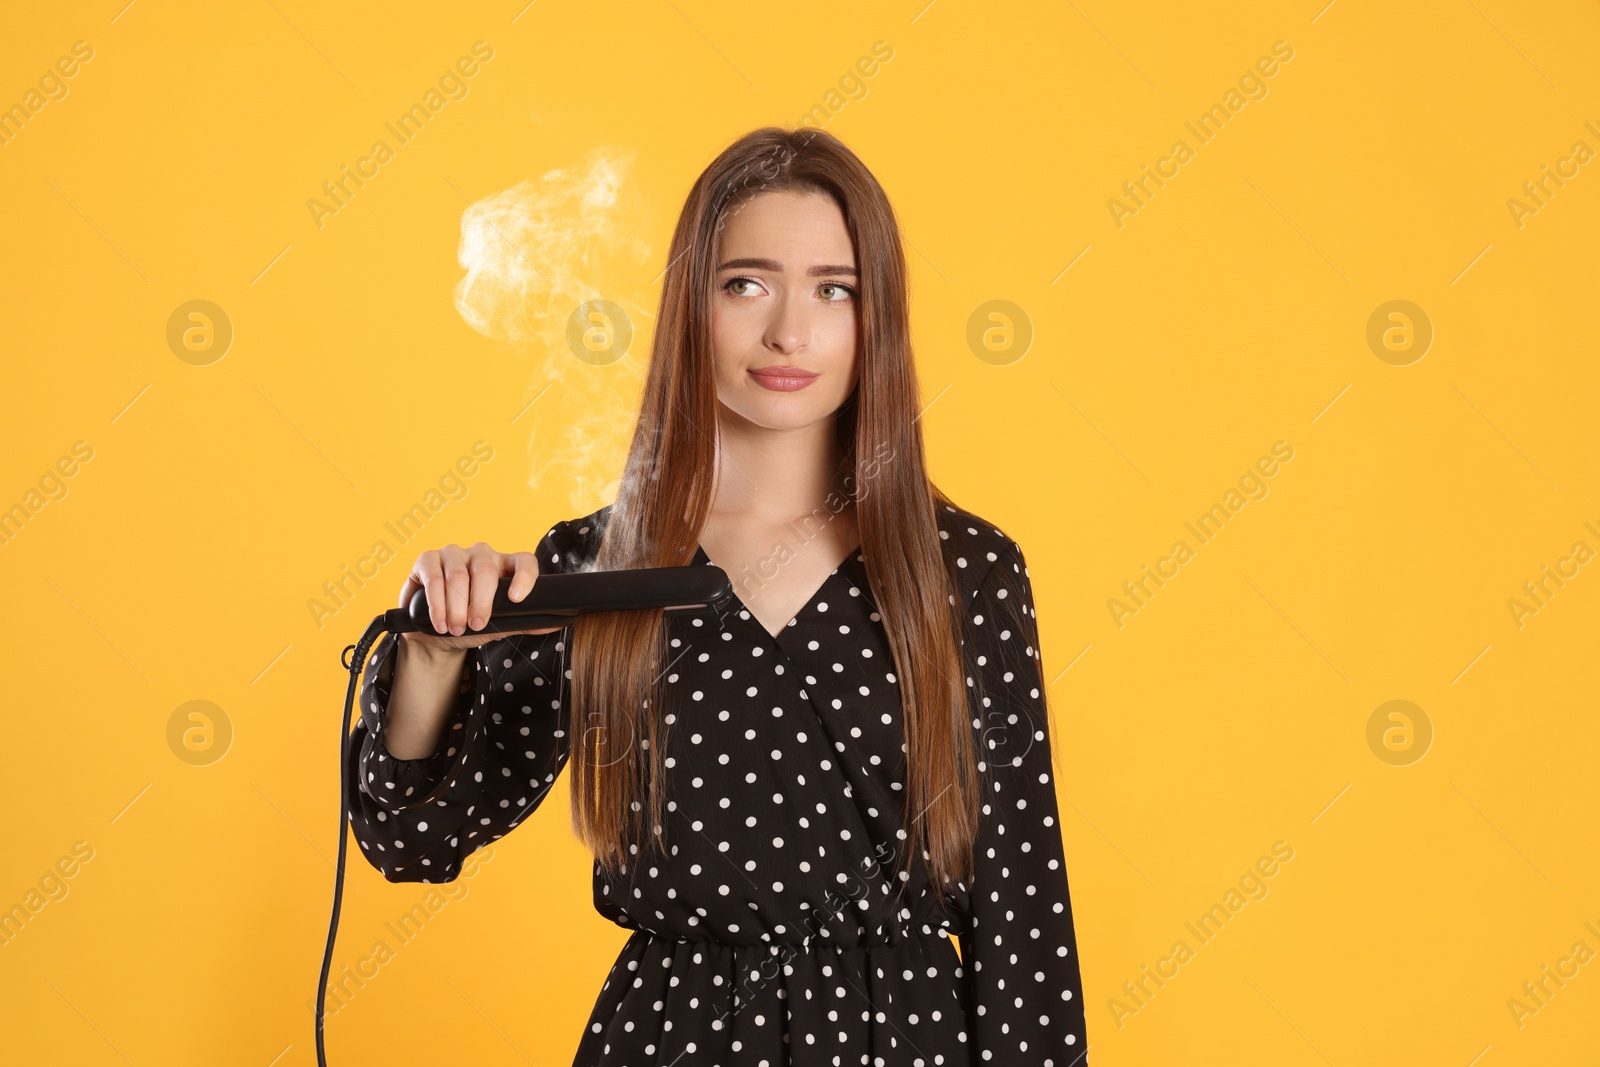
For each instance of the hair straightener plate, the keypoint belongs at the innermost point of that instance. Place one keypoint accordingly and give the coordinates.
(555, 600)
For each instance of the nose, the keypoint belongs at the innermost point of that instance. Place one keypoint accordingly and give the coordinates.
(789, 329)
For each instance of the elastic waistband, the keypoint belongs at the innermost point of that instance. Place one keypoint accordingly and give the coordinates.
(904, 938)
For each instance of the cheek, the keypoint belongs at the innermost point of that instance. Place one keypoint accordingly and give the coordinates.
(843, 343)
(729, 337)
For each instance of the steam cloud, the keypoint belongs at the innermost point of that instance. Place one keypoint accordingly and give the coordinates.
(532, 254)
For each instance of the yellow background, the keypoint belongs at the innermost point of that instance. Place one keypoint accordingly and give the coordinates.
(1228, 313)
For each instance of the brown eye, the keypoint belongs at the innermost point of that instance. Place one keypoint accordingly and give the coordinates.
(844, 291)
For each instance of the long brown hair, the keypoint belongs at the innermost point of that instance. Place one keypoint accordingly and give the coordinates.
(666, 492)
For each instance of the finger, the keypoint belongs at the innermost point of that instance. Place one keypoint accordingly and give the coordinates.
(427, 574)
(524, 569)
(458, 583)
(484, 563)
(418, 576)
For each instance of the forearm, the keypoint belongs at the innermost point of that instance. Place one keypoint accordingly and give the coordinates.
(420, 699)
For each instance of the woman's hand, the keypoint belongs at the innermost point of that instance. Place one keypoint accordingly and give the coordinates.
(460, 584)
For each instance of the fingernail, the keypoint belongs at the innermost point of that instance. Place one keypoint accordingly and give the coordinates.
(477, 623)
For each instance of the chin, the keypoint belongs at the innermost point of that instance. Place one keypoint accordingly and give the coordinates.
(783, 412)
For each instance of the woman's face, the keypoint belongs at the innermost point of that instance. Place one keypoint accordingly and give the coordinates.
(785, 304)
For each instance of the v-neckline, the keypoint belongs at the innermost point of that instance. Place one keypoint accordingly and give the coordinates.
(702, 557)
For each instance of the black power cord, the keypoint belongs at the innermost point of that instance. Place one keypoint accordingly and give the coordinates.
(354, 664)
(555, 600)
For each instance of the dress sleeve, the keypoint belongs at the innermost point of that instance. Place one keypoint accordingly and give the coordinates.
(503, 748)
(1019, 951)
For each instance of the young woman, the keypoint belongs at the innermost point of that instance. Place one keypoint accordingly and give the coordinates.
(794, 804)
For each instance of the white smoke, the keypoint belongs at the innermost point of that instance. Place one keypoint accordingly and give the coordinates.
(535, 252)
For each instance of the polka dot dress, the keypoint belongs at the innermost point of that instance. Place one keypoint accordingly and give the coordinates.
(779, 928)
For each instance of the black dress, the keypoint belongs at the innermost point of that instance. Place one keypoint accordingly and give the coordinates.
(770, 934)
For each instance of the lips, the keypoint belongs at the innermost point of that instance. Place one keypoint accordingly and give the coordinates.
(785, 379)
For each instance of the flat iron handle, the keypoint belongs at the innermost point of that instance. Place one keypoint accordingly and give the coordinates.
(558, 598)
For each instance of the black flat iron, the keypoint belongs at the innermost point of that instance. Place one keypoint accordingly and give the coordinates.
(555, 600)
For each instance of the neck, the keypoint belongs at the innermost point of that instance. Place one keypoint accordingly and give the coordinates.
(774, 476)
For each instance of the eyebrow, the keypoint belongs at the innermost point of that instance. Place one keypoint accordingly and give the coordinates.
(773, 265)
